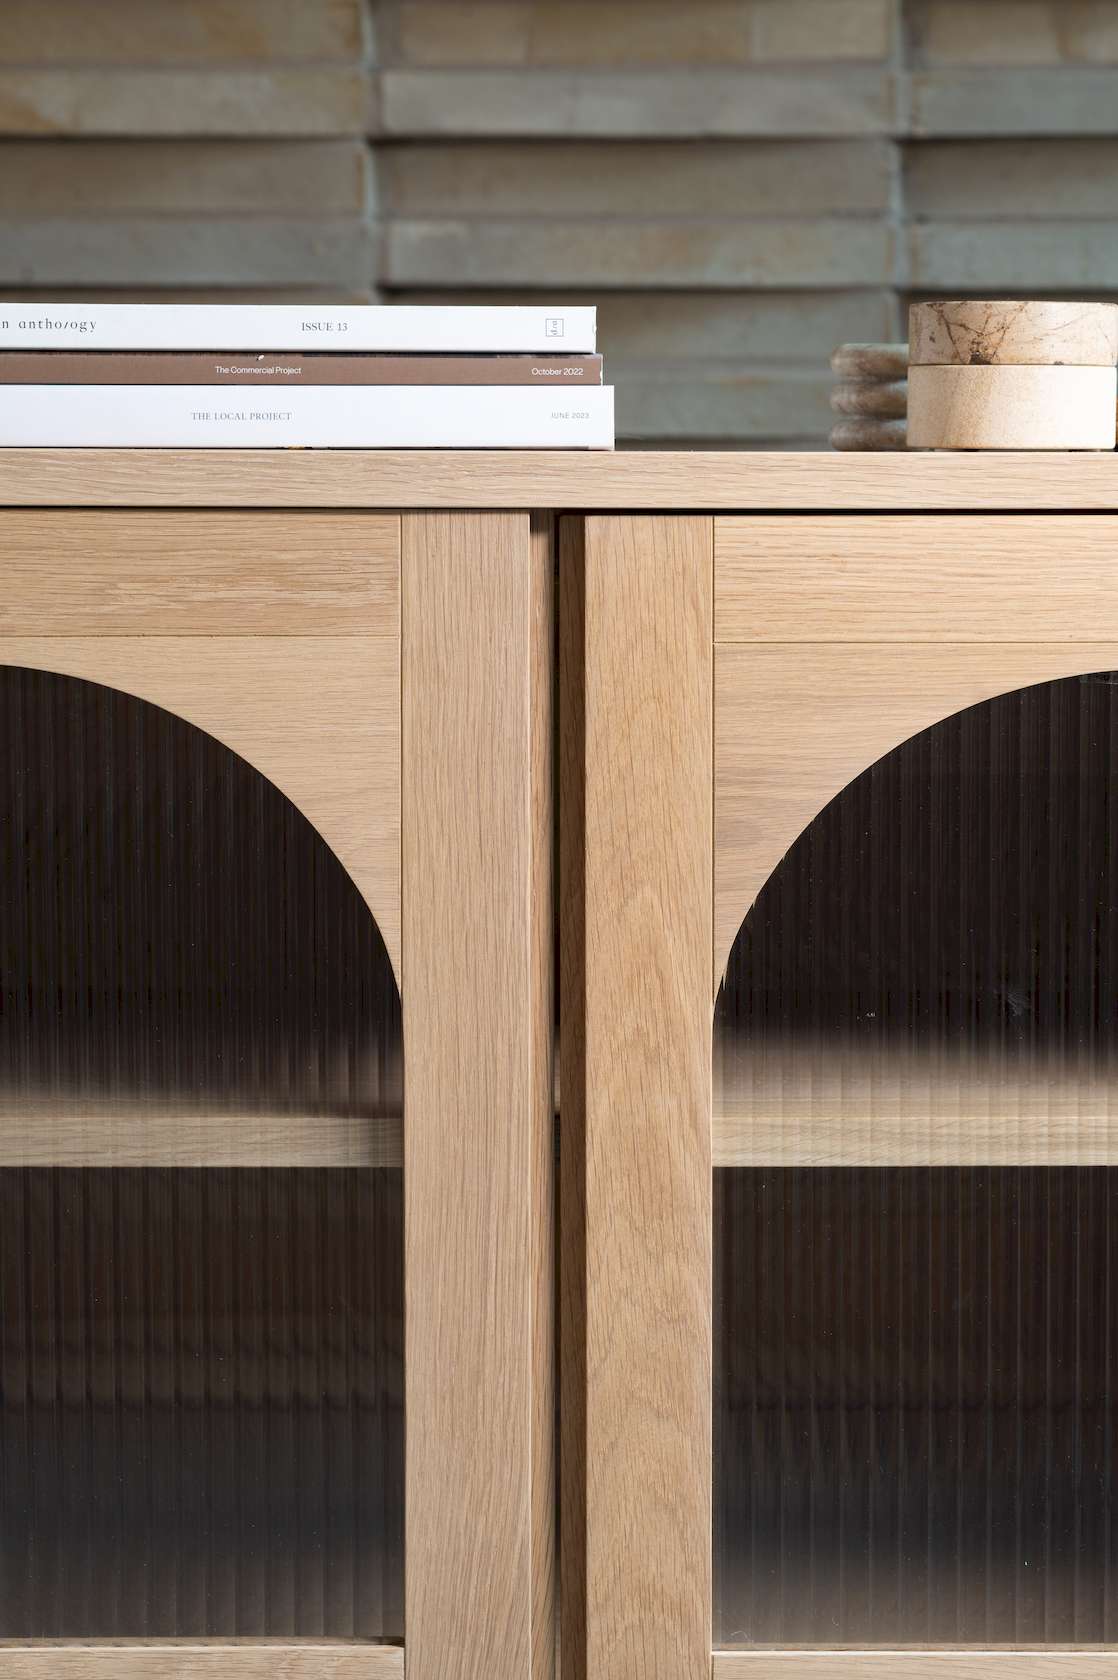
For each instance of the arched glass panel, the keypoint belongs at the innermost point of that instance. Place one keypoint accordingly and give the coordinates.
(201, 1386)
(916, 1310)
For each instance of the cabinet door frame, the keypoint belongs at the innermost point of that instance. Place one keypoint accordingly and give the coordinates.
(721, 679)
(636, 844)
(393, 674)
(479, 1127)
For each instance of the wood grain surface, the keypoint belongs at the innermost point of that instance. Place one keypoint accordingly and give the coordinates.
(910, 578)
(820, 1105)
(943, 1664)
(69, 573)
(636, 761)
(473, 1073)
(209, 1660)
(669, 479)
(86, 1136)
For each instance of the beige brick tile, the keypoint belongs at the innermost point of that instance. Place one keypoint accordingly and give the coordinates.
(701, 402)
(787, 30)
(609, 34)
(301, 293)
(296, 102)
(783, 326)
(168, 251)
(1016, 179)
(637, 104)
(1015, 32)
(710, 178)
(1013, 102)
(181, 32)
(1013, 259)
(808, 252)
(183, 177)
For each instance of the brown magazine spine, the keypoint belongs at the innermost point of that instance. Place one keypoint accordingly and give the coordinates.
(188, 367)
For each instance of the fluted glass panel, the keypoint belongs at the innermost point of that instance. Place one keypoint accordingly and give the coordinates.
(932, 970)
(174, 935)
(201, 1424)
(915, 1424)
(201, 1383)
(916, 1050)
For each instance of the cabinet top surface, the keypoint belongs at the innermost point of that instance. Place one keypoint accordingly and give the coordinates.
(513, 479)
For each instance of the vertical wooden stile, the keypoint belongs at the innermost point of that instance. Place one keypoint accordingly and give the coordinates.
(636, 848)
(474, 1044)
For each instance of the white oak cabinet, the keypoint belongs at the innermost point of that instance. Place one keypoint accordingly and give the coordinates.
(827, 1312)
(840, 1123)
(276, 1123)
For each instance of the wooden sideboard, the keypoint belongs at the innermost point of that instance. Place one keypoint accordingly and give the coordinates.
(714, 650)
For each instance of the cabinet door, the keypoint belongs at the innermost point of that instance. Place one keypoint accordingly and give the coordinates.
(842, 1292)
(275, 1094)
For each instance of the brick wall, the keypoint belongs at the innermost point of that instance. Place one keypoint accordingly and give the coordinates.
(738, 183)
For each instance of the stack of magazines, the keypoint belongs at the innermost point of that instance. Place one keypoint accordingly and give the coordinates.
(292, 376)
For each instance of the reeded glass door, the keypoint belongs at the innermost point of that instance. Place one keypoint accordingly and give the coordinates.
(201, 1366)
(914, 1061)
(916, 1365)
(256, 767)
(848, 1312)
(914, 1406)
